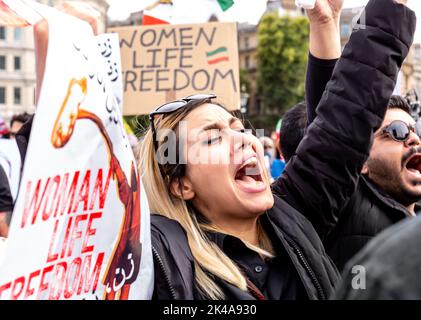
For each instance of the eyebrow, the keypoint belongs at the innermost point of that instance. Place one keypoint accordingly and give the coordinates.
(212, 126)
(233, 120)
(218, 125)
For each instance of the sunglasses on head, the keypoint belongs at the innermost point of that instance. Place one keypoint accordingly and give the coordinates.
(170, 107)
(400, 131)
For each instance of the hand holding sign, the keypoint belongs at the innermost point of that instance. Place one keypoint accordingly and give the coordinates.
(16, 13)
(82, 11)
(78, 10)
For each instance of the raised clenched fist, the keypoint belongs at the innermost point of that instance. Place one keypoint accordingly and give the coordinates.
(325, 11)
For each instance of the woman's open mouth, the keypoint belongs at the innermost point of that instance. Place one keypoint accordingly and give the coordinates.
(249, 176)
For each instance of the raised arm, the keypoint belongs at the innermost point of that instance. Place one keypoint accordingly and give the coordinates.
(325, 49)
(325, 42)
(323, 175)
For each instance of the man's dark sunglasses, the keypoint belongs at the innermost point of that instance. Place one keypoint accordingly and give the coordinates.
(400, 131)
(170, 107)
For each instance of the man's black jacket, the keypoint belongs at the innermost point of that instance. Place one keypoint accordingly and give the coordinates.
(370, 209)
(387, 268)
(323, 180)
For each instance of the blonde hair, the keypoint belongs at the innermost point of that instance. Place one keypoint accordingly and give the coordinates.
(208, 257)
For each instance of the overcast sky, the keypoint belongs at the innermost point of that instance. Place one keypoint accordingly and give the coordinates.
(243, 10)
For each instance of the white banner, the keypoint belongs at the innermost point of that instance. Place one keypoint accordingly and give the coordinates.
(109, 46)
(17, 13)
(80, 228)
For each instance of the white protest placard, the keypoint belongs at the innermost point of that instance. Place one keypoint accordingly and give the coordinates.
(109, 46)
(11, 163)
(80, 227)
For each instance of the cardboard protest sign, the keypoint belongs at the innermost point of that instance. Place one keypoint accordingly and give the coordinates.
(11, 163)
(80, 227)
(164, 62)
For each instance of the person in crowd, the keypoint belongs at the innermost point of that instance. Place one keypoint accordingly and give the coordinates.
(387, 268)
(294, 123)
(388, 185)
(278, 164)
(6, 200)
(218, 230)
(4, 130)
(6, 208)
(17, 122)
(6, 203)
(268, 147)
(269, 153)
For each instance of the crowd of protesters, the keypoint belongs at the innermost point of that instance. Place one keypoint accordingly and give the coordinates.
(285, 227)
(6, 200)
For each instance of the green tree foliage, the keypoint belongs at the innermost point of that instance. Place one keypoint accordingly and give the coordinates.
(139, 124)
(245, 81)
(282, 60)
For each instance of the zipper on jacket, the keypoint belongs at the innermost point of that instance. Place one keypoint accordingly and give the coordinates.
(164, 272)
(309, 270)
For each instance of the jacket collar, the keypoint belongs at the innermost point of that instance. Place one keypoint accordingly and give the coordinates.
(387, 199)
(225, 241)
(221, 239)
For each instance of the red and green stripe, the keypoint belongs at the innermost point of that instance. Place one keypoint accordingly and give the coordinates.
(217, 55)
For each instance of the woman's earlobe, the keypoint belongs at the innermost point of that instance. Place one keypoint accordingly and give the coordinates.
(182, 188)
